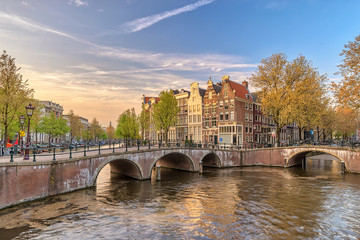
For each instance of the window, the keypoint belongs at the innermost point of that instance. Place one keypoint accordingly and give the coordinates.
(207, 122)
(250, 117)
(210, 95)
(189, 109)
(213, 110)
(221, 116)
(231, 102)
(250, 106)
(247, 128)
(226, 116)
(251, 139)
(225, 93)
(225, 86)
(246, 106)
(199, 118)
(213, 122)
(221, 104)
(190, 119)
(247, 139)
(198, 107)
(194, 118)
(246, 117)
(226, 104)
(194, 108)
(250, 129)
(247, 96)
(232, 115)
(206, 110)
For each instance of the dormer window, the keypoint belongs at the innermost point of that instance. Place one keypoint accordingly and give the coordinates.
(247, 96)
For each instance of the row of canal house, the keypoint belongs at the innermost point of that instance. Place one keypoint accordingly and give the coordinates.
(224, 113)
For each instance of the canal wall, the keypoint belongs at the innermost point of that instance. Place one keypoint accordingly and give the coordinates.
(26, 180)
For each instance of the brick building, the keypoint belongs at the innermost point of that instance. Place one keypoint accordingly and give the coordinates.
(210, 113)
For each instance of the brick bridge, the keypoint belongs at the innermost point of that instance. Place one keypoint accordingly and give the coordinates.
(25, 181)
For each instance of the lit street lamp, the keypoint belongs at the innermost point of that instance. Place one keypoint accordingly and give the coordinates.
(22, 121)
(29, 113)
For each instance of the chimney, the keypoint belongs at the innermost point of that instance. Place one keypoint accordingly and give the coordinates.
(246, 84)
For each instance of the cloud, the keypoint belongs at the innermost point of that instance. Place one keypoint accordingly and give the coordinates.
(78, 3)
(145, 22)
(26, 4)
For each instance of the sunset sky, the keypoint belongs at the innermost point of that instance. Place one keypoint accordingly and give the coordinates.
(99, 57)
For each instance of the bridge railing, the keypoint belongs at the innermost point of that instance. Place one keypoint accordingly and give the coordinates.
(55, 152)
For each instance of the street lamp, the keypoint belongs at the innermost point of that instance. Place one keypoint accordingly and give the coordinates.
(29, 113)
(22, 121)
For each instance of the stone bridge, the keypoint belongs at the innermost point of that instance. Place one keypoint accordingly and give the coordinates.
(25, 181)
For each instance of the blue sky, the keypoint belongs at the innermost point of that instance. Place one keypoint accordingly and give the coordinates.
(99, 57)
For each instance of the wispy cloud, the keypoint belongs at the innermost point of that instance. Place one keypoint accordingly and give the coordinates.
(145, 22)
(78, 3)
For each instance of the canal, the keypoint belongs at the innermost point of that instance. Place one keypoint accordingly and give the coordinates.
(233, 203)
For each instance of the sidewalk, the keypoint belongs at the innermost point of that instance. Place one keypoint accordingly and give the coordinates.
(47, 157)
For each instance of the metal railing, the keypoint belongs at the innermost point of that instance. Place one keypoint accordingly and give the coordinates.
(84, 149)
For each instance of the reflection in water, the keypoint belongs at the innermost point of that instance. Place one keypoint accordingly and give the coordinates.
(251, 203)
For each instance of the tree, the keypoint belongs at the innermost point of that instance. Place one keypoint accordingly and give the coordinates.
(110, 131)
(290, 91)
(165, 113)
(347, 92)
(75, 125)
(307, 98)
(95, 129)
(14, 92)
(347, 120)
(128, 126)
(53, 126)
(144, 121)
(271, 78)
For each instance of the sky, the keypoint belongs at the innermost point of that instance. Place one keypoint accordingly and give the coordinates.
(98, 57)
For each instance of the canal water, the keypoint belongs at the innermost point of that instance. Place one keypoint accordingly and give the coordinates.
(234, 203)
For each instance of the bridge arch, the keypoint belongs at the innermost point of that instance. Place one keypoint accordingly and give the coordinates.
(297, 157)
(211, 160)
(174, 160)
(121, 166)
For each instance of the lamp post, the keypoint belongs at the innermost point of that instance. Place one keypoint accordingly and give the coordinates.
(29, 113)
(22, 121)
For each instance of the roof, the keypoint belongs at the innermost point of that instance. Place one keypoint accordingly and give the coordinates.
(202, 92)
(256, 97)
(240, 90)
(217, 88)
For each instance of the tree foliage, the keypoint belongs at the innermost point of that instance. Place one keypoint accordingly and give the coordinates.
(128, 126)
(96, 130)
(346, 121)
(347, 92)
(110, 131)
(14, 92)
(165, 112)
(290, 91)
(144, 121)
(53, 126)
(75, 125)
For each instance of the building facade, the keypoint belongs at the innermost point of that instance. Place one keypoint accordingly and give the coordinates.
(195, 104)
(210, 113)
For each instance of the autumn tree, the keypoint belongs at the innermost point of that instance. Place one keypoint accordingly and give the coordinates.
(110, 131)
(14, 92)
(347, 92)
(75, 125)
(165, 113)
(290, 91)
(347, 120)
(128, 126)
(272, 81)
(307, 94)
(96, 130)
(328, 121)
(53, 126)
(144, 121)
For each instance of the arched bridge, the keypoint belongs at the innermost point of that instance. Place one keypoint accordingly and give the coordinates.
(23, 181)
